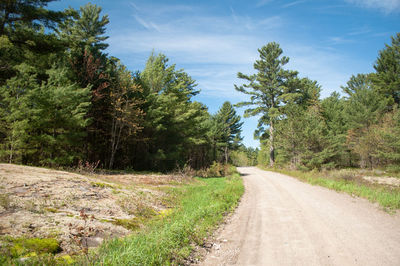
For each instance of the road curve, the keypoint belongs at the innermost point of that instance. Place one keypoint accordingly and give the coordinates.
(282, 221)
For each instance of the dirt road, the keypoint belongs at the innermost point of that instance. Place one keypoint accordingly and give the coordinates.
(282, 221)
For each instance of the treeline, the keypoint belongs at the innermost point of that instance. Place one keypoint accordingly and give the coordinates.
(64, 100)
(300, 130)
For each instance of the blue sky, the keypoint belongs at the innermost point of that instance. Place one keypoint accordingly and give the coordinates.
(327, 41)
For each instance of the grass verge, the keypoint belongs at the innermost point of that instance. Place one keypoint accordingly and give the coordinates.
(169, 239)
(387, 197)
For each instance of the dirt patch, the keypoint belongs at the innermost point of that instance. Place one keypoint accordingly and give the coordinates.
(45, 203)
(383, 180)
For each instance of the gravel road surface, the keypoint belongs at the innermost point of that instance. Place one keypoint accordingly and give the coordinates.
(282, 221)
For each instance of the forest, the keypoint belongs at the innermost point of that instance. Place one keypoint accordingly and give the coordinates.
(64, 101)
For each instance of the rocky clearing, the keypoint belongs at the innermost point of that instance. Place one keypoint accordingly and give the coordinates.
(80, 211)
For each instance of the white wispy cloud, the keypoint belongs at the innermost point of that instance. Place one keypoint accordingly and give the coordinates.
(262, 3)
(158, 9)
(326, 66)
(147, 24)
(272, 22)
(235, 18)
(134, 6)
(294, 3)
(359, 31)
(387, 6)
(214, 48)
(339, 40)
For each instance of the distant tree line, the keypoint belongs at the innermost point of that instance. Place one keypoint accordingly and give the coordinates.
(361, 128)
(63, 99)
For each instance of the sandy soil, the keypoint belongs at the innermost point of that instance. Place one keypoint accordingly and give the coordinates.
(282, 221)
(383, 180)
(39, 202)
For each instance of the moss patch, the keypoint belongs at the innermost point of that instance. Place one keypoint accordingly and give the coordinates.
(130, 224)
(17, 247)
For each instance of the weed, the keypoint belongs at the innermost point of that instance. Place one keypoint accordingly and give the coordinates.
(5, 201)
(81, 233)
(87, 167)
(143, 210)
(137, 205)
(164, 213)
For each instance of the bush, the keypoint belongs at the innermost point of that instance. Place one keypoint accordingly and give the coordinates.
(217, 170)
(393, 169)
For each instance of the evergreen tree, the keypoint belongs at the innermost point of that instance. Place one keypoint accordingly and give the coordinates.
(387, 66)
(227, 128)
(268, 89)
(46, 121)
(23, 38)
(84, 32)
(174, 124)
(364, 105)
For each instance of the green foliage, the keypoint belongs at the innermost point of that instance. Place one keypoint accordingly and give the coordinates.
(359, 129)
(46, 121)
(217, 170)
(245, 156)
(85, 28)
(225, 131)
(364, 105)
(23, 36)
(379, 144)
(175, 127)
(269, 89)
(387, 76)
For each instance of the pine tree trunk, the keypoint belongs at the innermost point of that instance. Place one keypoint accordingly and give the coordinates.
(214, 151)
(11, 152)
(226, 155)
(271, 144)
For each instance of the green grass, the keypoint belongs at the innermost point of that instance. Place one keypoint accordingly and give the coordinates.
(169, 238)
(387, 197)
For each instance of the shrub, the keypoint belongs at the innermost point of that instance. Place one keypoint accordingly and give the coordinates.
(217, 170)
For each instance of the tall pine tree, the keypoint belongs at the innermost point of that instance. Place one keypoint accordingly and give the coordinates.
(268, 89)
